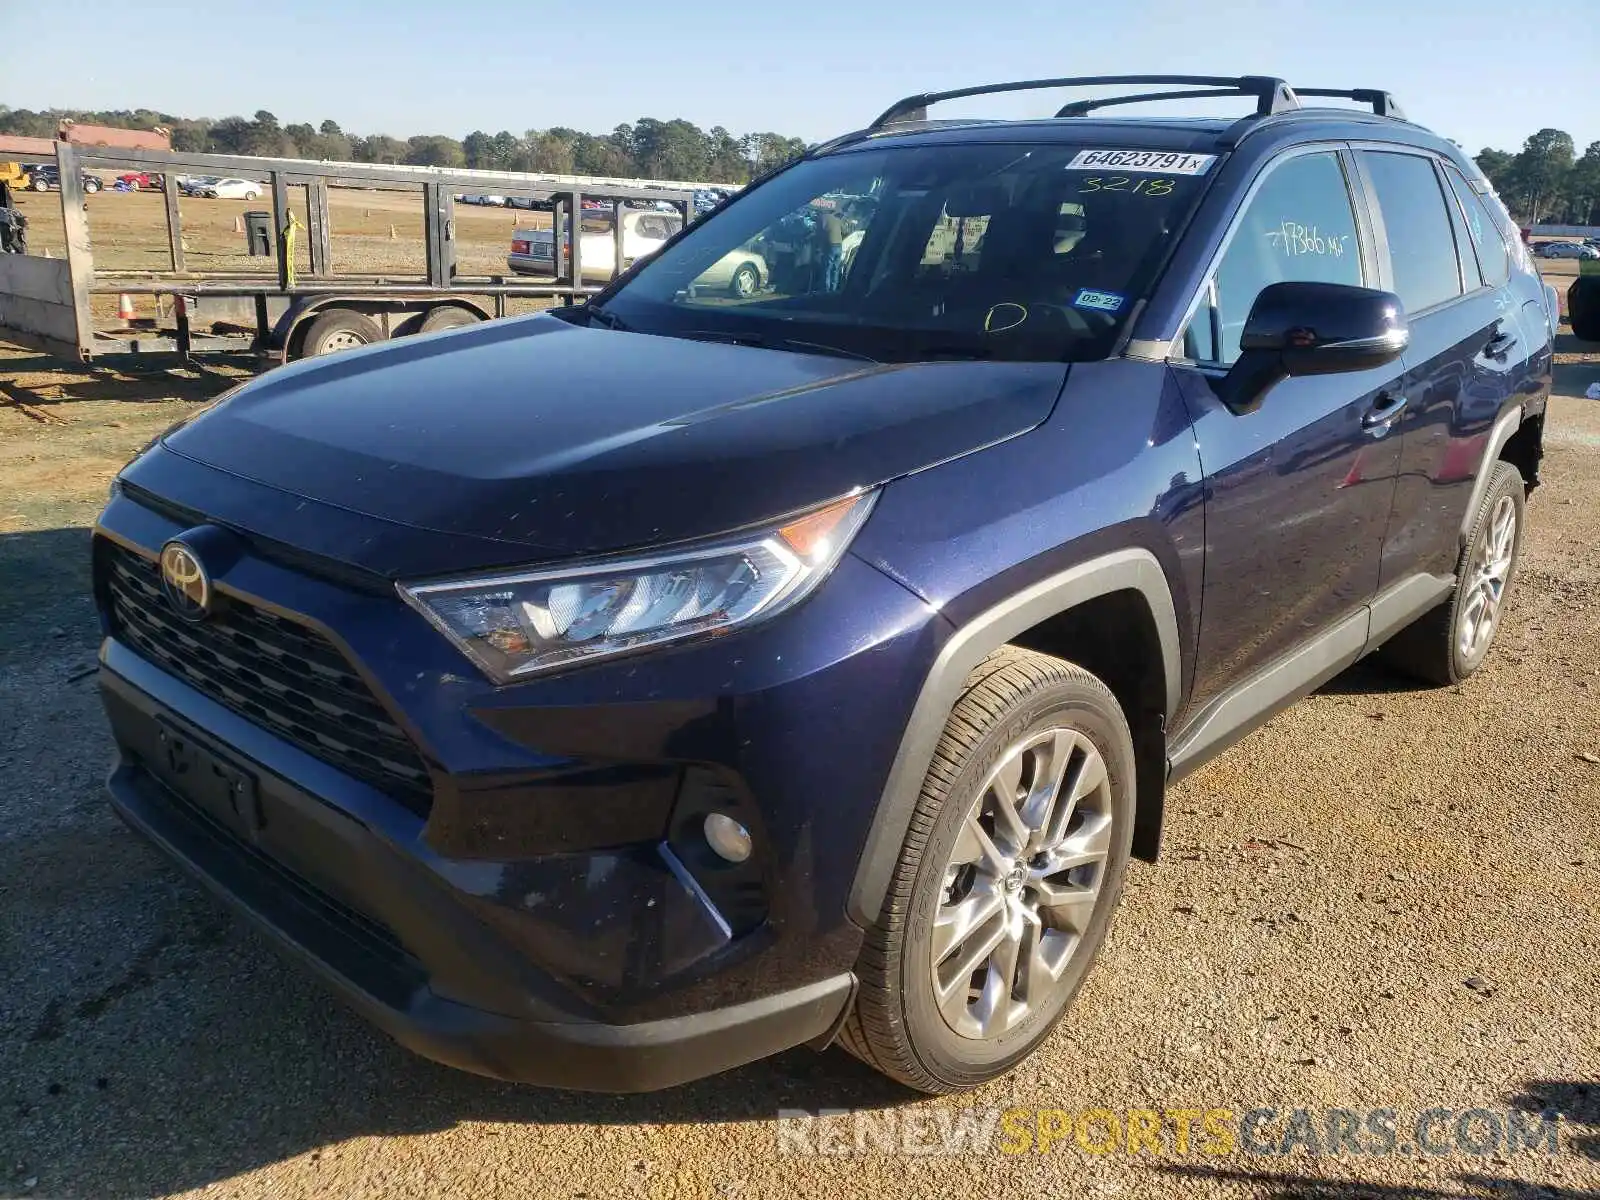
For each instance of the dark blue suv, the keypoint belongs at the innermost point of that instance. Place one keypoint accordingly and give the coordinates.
(610, 697)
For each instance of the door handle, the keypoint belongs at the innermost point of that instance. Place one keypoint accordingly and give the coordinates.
(1379, 417)
(1500, 344)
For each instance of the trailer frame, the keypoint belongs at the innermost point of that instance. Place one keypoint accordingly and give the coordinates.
(46, 304)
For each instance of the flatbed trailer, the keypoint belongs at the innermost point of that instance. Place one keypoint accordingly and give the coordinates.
(46, 303)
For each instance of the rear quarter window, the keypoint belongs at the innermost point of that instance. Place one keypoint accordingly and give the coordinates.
(1494, 258)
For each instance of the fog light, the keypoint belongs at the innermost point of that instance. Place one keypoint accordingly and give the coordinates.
(727, 837)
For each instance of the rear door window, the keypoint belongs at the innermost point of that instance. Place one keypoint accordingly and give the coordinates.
(1299, 226)
(1493, 257)
(1422, 244)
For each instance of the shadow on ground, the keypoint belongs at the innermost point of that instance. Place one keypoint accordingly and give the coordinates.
(1270, 1185)
(109, 379)
(44, 592)
(1576, 1103)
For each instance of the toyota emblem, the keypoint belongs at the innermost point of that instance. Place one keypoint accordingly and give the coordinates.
(184, 582)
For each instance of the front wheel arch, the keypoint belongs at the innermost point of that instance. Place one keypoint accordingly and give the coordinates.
(1136, 570)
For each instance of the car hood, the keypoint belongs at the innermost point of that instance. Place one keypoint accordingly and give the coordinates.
(564, 440)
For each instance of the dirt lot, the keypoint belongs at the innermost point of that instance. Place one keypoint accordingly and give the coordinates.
(1383, 899)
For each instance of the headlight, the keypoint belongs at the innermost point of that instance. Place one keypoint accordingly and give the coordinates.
(515, 625)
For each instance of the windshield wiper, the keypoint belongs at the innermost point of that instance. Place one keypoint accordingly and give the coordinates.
(609, 320)
(765, 343)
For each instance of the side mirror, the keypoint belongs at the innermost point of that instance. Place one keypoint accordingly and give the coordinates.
(1313, 329)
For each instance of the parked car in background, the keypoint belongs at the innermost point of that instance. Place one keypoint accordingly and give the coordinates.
(194, 185)
(143, 181)
(232, 189)
(741, 272)
(709, 199)
(1568, 250)
(489, 201)
(47, 178)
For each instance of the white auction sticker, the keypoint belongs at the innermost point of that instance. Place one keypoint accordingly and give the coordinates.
(1157, 162)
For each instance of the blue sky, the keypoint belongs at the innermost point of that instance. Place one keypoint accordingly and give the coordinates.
(1470, 69)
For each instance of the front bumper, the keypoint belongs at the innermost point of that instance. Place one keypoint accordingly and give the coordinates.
(282, 868)
(533, 904)
(528, 264)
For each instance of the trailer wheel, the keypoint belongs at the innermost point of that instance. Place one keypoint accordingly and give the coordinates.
(340, 329)
(447, 316)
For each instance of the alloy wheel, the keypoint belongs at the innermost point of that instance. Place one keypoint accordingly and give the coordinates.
(1022, 882)
(1485, 581)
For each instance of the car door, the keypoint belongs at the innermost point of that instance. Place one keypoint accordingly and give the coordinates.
(1297, 492)
(1467, 352)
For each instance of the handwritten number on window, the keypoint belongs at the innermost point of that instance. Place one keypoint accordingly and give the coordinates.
(1296, 240)
(1121, 183)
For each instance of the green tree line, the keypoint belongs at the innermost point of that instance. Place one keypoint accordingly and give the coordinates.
(647, 149)
(1546, 182)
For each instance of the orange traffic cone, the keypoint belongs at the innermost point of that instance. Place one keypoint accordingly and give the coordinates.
(238, 224)
(125, 308)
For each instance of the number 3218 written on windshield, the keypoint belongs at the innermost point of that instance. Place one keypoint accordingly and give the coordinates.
(1162, 161)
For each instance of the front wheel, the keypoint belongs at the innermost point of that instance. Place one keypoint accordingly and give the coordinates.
(1006, 881)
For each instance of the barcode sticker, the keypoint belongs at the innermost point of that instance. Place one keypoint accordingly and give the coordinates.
(1163, 162)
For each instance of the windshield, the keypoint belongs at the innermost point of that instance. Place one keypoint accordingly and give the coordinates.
(904, 254)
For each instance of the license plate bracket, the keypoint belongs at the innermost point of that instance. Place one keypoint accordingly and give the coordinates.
(210, 779)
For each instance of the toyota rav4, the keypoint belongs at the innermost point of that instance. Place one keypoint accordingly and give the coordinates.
(613, 696)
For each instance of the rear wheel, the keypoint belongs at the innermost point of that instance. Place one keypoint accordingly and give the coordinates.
(340, 329)
(1006, 881)
(447, 316)
(1450, 642)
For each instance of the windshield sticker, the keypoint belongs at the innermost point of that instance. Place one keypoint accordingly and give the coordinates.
(1150, 162)
(1098, 301)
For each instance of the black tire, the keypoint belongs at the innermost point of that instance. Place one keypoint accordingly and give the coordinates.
(1583, 307)
(447, 316)
(90, 187)
(895, 1025)
(745, 281)
(339, 329)
(1430, 648)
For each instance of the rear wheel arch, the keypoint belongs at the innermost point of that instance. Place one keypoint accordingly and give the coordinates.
(1064, 614)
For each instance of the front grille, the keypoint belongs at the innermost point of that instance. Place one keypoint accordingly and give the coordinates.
(283, 676)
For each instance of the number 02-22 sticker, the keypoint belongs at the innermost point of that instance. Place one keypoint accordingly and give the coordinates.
(1165, 162)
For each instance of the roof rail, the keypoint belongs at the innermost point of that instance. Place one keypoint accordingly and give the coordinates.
(1383, 104)
(1082, 108)
(1271, 95)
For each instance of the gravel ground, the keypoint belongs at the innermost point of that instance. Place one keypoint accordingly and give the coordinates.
(1383, 899)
